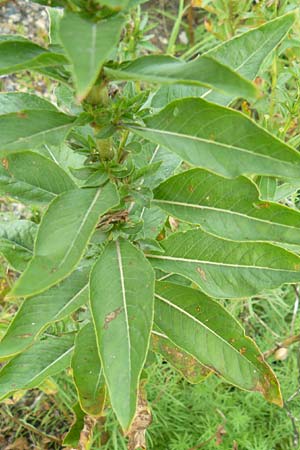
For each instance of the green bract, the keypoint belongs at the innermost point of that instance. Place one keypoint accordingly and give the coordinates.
(131, 151)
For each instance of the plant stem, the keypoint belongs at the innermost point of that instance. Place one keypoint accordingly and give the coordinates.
(176, 28)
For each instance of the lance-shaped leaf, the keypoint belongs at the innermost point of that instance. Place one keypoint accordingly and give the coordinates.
(73, 436)
(88, 44)
(204, 329)
(87, 372)
(16, 242)
(29, 129)
(121, 296)
(42, 360)
(227, 208)
(227, 269)
(37, 313)
(203, 71)
(63, 236)
(31, 178)
(244, 53)
(220, 139)
(17, 53)
(19, 101)
(188, 366)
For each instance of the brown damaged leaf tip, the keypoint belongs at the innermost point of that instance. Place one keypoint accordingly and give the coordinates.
(143, 418)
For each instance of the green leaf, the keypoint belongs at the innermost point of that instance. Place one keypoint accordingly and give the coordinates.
(228, 208)
(121, 296)
(73, 436)
(11, 102)
(20, 54)
(29, 129)
(87, 372)
(227, 269)
(183, 362)
(150, 154)
(63, 236)
(37, 313)
(267, 187)
(88, 45)
(32, 178)
(204, 329)
(203, 71)
(42, 360)
(219, 139)
(16, 242)
(244, 53)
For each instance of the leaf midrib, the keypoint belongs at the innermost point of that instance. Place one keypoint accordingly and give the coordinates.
(221, 144)
(209, 330)
(227, 211)
(213, 263)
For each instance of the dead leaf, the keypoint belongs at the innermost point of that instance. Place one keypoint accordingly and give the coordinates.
(86, 434)
(20, 444)
(143, 418)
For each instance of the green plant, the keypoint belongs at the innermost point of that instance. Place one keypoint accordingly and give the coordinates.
(137, 186)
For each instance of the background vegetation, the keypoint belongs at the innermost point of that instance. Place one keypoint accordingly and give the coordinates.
(213, 414)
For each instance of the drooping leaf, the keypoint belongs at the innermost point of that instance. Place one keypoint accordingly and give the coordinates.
(20, 54)
(73, 436)
(227, 269)
(16, 242)
(244, 53)
(227, 208)
(183, 362)
(203, 71)
(11, 102)
(219, 139)
(121, 296)
(204, 329)
(30, 177)
(42, 360)
(87, 372)
(63, 235)
(36, 313)
(88, 44)
(30, 129)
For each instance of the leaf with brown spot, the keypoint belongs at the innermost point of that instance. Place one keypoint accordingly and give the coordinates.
(122, 303)
(201, 327)
(183, 362)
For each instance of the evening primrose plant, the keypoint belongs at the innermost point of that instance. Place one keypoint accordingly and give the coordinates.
(147, 183)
